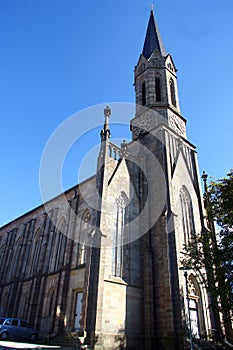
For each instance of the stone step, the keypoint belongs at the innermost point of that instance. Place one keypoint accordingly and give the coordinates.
(66, 341)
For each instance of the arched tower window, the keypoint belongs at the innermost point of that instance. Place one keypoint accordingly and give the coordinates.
(143, 93)
(187, 215)
(172, 92)
(157, 89)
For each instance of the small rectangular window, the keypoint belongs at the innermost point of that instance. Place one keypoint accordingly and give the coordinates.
(157, 89)
(143, 93)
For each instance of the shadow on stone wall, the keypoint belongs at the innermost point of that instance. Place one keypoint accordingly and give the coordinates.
(120, 340)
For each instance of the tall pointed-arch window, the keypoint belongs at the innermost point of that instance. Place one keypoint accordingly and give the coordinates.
(172, 92)
(59, 245)
(50, 302)
(118, 238)
(24, 305)
(187, 215)
(36, 251)
(26, 266)
(16, 262)
(157, 89)
(83, 238)
(2, 255)
(4, 304)
(143, 93)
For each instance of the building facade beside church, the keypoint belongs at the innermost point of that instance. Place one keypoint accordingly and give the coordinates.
(112, 270)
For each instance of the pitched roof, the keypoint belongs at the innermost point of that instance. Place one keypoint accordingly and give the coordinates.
(153, 39)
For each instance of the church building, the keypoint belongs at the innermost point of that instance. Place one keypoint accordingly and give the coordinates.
(112, 271)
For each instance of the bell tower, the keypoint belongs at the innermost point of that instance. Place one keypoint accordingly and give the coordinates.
(160, 128)
(155, 84)
(150, 206)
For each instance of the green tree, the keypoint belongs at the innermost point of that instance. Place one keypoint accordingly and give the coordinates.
(199, 256)
(220, 209)
(211, 254)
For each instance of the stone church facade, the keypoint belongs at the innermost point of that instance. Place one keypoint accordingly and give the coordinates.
(112, 271)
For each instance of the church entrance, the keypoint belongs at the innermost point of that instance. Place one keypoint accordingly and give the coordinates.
(195, 307)
(78, 311)
(194, 318)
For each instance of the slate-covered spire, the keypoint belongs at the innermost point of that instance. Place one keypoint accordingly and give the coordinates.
(153, 39)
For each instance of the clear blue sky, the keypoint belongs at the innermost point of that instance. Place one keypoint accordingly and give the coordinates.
(60, 56)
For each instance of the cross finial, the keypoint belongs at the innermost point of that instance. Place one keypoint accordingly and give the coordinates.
(152, 6)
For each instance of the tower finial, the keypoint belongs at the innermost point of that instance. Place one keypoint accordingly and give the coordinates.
(107, 113)
(152, 6)
(105, 132)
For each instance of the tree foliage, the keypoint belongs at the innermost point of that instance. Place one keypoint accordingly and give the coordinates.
(197, 255)
(211, 255)
(226, 249)
(221, 200)
(221, 209)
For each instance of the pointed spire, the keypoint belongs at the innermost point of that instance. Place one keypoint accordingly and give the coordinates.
(153, 39)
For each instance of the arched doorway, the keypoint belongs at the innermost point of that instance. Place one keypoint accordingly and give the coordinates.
(195, 307)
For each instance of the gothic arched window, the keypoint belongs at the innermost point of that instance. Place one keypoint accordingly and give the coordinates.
(4, 304)
(187, 215)
(172, 92)
(23, 305)
(36, 251)
(50, 302)
(26, 266)
(2, 256)
(60, 243)
(83, 238)
(157, 89)
(118, 239)
(143, 93)
(14, 267)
